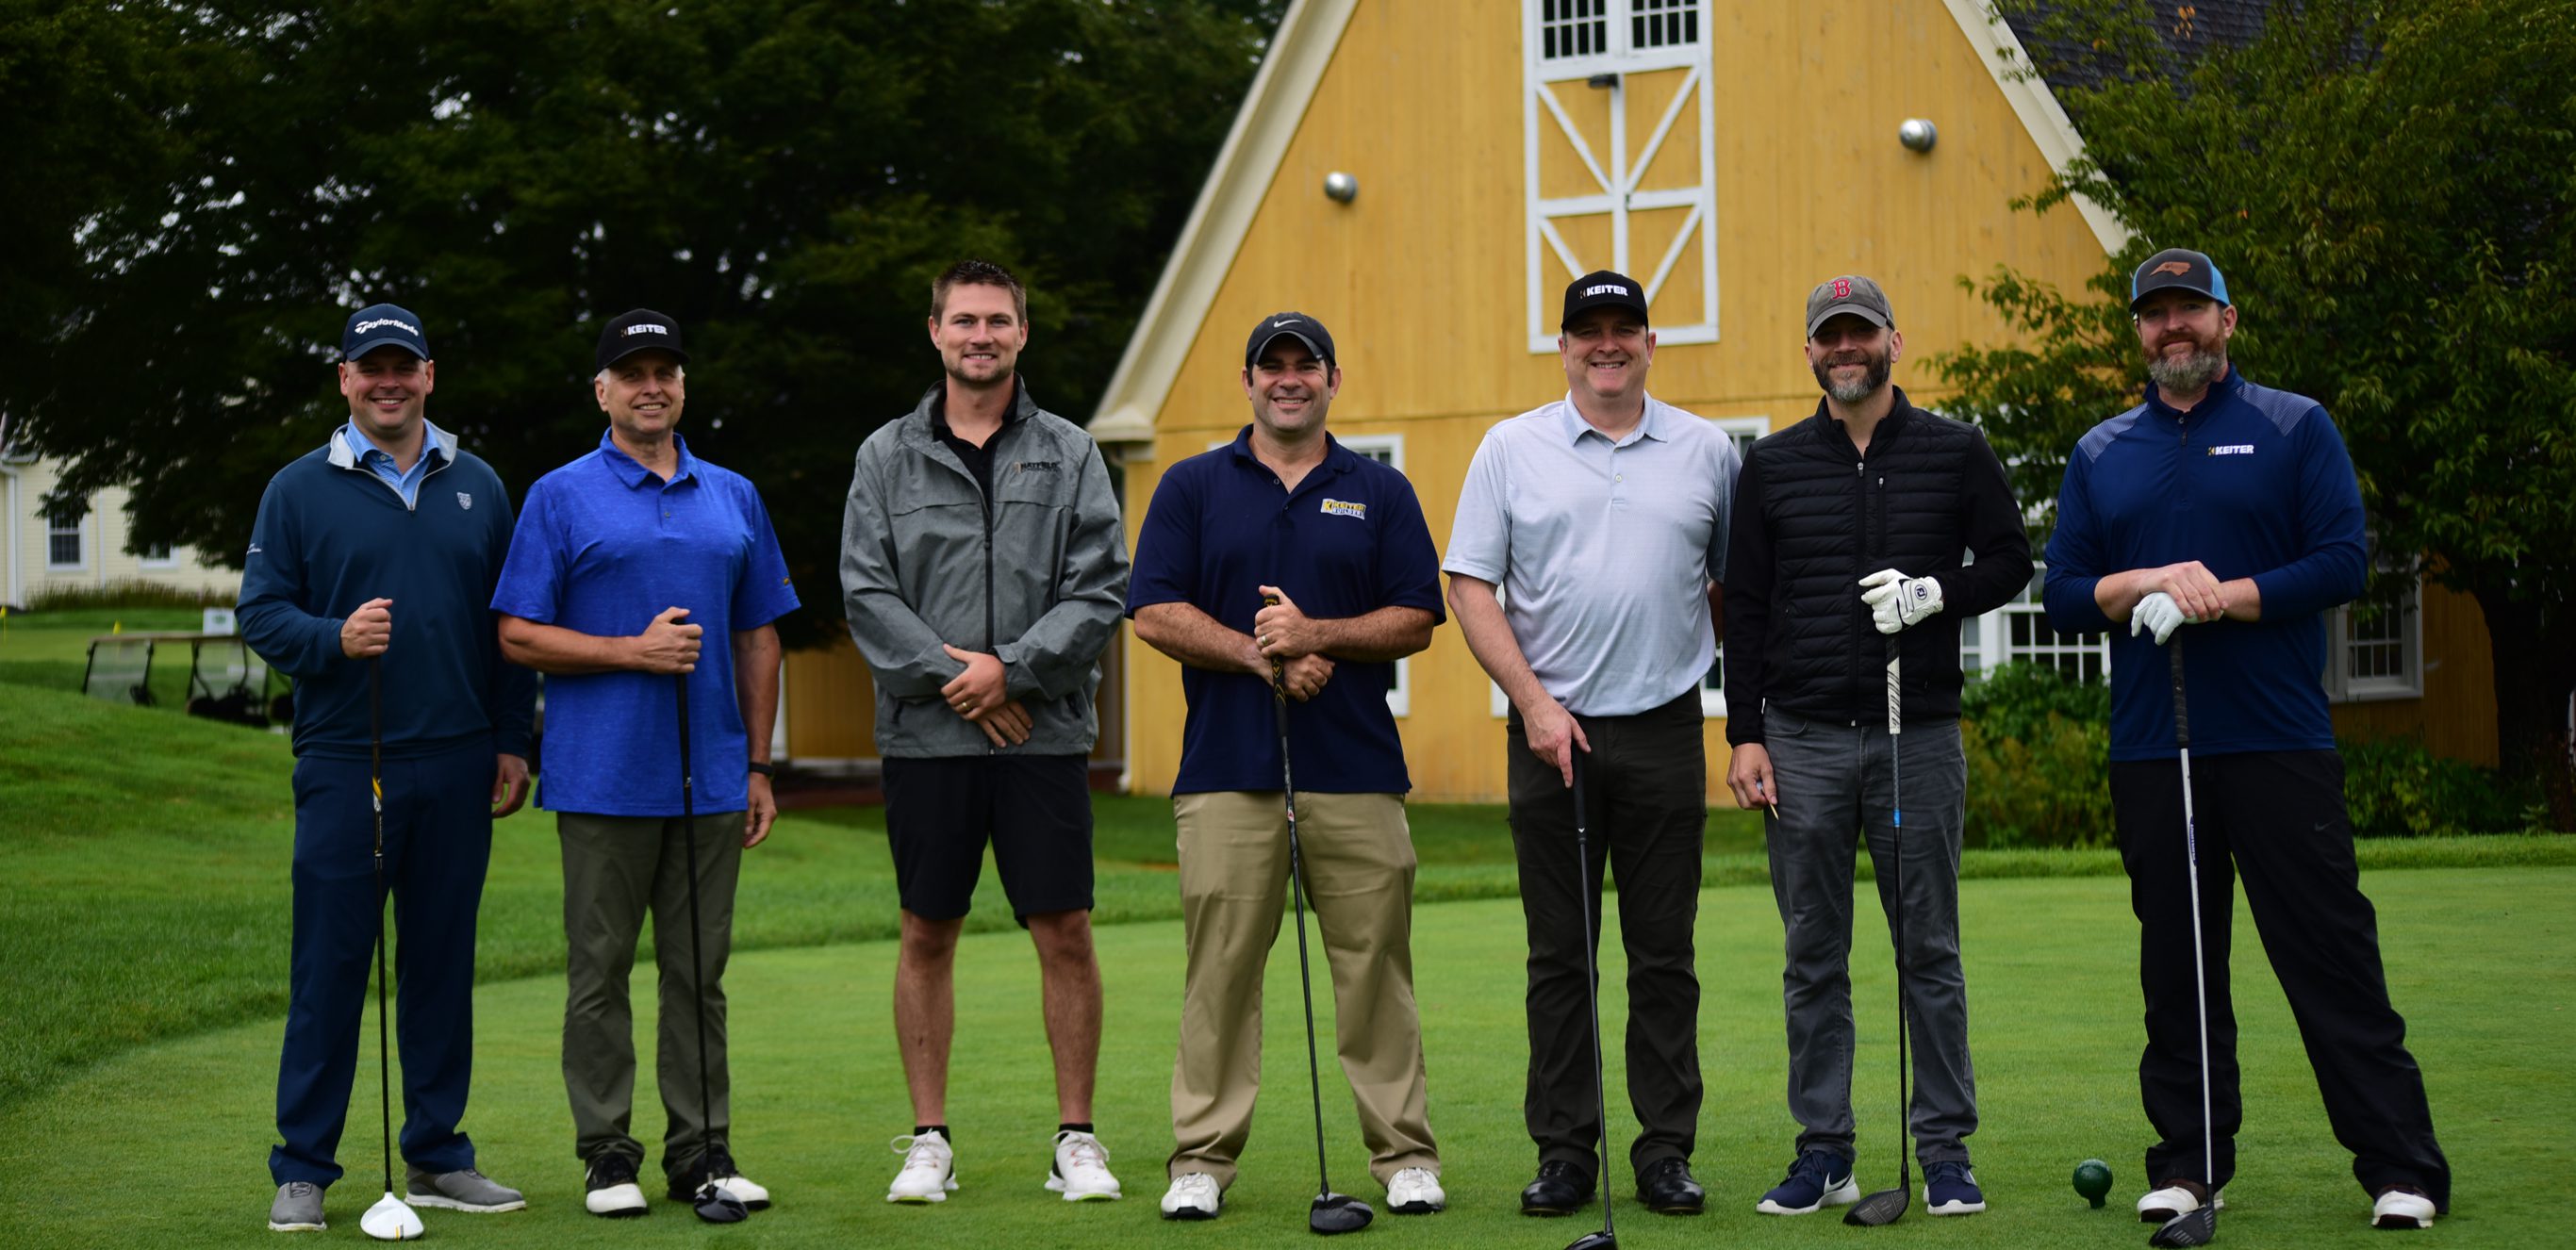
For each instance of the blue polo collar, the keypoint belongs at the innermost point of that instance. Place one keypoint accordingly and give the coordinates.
(633, 473)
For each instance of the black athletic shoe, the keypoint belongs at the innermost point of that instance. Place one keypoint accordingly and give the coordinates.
(612, 1189)
(1666, 1188)
(1561, 1189)
(718, 1163)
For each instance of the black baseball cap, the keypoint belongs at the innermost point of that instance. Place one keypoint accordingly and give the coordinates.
(1305, 329)
(382, 325)
(1850, 293)
(2177, 268)
(1602, 288)
(641, 330)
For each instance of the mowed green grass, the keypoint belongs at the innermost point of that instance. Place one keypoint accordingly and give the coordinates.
(166, 1144)
(143, 861)
(145, 856)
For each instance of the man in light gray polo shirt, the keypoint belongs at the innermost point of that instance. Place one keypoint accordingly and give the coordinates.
(1602, 520)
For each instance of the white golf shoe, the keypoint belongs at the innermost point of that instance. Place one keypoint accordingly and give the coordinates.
(929, 1168)
(2173, 1198)
(2401, 1207)
(1415, 1191)
(1081, 1171)
(1193, 1196)
(609, 1188)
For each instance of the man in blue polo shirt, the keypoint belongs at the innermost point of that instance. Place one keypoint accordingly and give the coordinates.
(624, 560)
(370, 564)
(1285, 513)
(1602, 518)
(2223, 518)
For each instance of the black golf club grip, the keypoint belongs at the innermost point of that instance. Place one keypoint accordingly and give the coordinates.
(2182, 709)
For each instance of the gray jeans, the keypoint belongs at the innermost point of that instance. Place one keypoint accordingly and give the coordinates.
(616, 868)
(1834, 784)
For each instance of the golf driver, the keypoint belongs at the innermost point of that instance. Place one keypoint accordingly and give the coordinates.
(1331, 1212)
(1887, 1205)
(714, 1203)
(391, 1219)
(1607, 1237)
(2198, 1226)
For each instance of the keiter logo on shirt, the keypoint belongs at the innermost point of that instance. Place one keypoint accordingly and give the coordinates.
(1344, 507)
(2232, 449)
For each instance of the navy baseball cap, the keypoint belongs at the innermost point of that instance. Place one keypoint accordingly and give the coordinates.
(639, 330)
(1298, 325)
(2177, 268)
(1602, 288)
(382, 325)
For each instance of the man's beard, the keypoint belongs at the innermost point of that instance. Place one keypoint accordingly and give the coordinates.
(2186, 375)
(1854, 392)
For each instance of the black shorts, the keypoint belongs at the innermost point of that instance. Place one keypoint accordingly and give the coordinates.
(1036, 810)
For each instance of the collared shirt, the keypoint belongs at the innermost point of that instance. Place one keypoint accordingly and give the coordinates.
(604, 545)
(406, 483)
(1603, 549)
(1348, 541)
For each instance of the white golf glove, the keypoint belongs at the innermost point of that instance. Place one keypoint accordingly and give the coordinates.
(1899, 601)
(2159, 614)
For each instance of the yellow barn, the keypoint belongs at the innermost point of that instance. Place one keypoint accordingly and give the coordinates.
(1425, 176)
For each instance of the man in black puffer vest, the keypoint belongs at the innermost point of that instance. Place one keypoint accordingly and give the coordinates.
(1849, 563)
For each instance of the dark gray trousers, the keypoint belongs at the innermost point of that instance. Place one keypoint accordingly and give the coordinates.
(1834, 788)
(615, 869)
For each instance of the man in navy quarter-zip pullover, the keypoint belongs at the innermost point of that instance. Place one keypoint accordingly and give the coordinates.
(2223, 517)
(372, 560)
(983, 564)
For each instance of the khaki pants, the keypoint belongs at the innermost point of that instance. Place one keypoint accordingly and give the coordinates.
(1234, 879)
(615, 868)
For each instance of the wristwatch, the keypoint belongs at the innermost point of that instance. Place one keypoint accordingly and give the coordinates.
(763, 768)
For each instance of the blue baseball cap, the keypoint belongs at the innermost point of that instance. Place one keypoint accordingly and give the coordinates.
(2177, 268)
(382, 325)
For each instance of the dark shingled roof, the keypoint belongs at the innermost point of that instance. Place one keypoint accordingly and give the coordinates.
(2191, 29)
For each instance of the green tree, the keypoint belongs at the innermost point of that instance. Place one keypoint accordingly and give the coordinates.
(783, 176)
(2387, 185)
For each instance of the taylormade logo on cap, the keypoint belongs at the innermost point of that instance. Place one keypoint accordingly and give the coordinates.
(381, 322)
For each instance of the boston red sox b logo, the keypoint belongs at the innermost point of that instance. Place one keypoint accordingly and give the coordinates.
(1842, 288)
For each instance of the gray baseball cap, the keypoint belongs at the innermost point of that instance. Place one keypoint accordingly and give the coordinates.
(1850, 293)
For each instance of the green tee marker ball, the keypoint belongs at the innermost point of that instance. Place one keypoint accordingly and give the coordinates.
(2093, 1180)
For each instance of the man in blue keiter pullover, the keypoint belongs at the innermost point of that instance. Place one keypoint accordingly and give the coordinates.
(2231, 509)
(372, 564)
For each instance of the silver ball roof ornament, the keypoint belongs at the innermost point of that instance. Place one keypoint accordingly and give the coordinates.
(1918, 134)
(1341, 188)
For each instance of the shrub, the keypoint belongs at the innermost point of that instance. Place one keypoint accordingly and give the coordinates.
(126, 595)
(2038, 748)
(2396, 788)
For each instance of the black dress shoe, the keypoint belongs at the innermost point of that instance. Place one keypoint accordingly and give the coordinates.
(1666, 1188)
(1561, 1189)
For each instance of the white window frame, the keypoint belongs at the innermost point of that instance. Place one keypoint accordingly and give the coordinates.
(1616, 194)
(1993, 645)
(2343, 687)
(1387, 449)
(162, 563)
(79, 532)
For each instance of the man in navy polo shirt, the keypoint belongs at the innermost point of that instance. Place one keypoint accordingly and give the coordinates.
(1602, 517)
(2222, 517)
(1338, 540)
(370, 564)
(623, 561)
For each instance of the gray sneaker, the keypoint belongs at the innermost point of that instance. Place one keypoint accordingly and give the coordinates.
(298, 1209)
(462, 1190)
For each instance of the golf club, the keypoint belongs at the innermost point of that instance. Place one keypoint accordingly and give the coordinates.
(391, 1219)
(1331, 1212)
(714, 1203)
(2198, 1226)
(1885, 1206)
(1607, 1237)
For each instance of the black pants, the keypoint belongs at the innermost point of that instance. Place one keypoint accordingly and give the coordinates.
(2279, 817)
(1645, 805)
